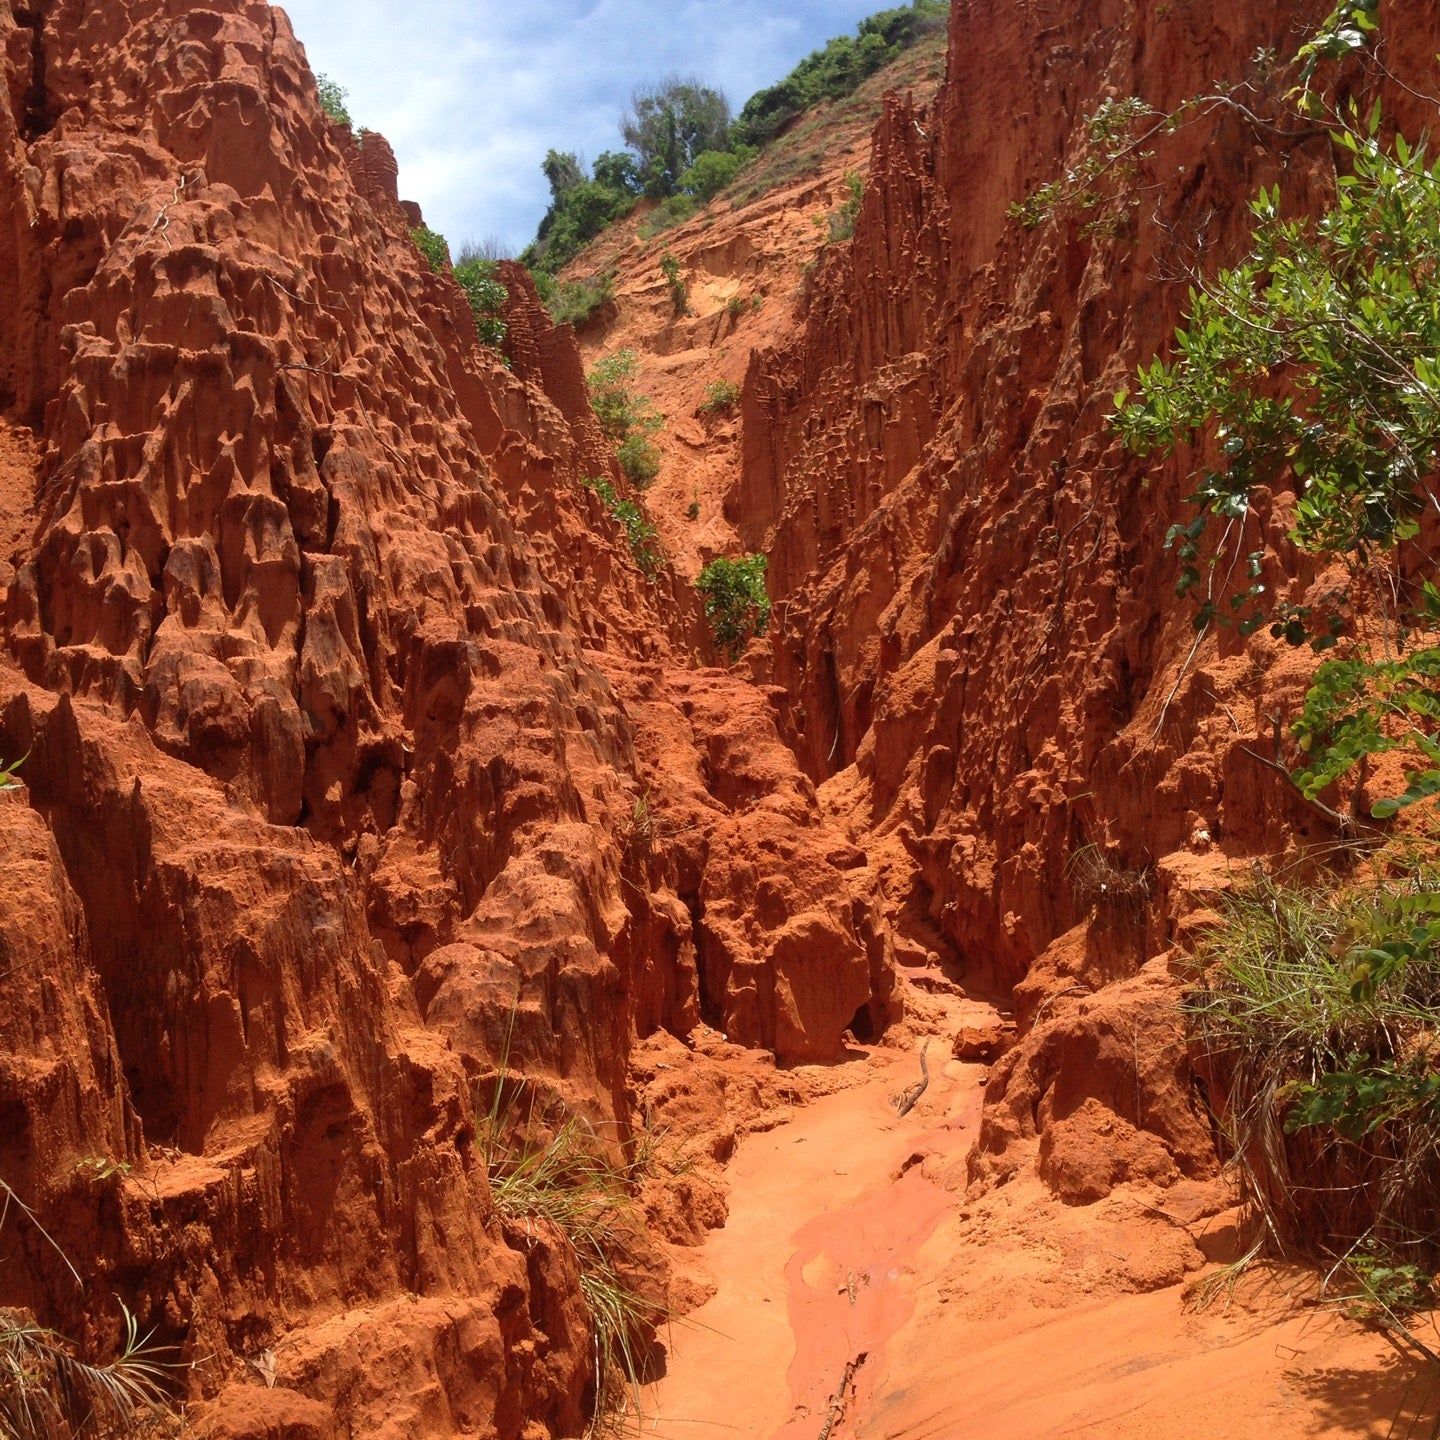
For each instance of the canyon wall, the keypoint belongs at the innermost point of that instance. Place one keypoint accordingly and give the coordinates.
(360, 765)
(983, 657)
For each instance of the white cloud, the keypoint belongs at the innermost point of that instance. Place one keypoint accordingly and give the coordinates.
(472, 95)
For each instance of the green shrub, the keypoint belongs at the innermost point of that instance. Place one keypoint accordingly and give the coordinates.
(1312, 366)
(667, 215)
(433, 246)
(581, 206)
(842, 222)
(639, 460)
(679, 290)
(714, 170)
(612, 397)
(639, 533)
(575, 302)
(486, 296)
(1319, 1026)
(626, 418)
(721, 396)
(332, 100)
(736, 602)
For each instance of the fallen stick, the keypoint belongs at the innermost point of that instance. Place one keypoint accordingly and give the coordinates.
(906, 1100)
(837, 1404)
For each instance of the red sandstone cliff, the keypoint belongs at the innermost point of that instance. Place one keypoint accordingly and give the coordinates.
(358, 754)
(338, 700)
(978, 640)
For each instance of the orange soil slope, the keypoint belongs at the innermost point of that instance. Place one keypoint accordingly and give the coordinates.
(747, 259)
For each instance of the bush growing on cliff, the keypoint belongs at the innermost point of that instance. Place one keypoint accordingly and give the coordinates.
(842, 222)
(626, 417)
(575, 302)
(1319, 1023)
(1313, 368)
(1343, 311)
(639, 533)
(475, 275)
(721, 397)
(433, 246)
(737, 604)
(679, 290)
(486, 296)
(332, 100)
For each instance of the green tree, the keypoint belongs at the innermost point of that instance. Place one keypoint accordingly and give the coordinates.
(713, 170)
(737, 604)
(563, 171)
(669, 125)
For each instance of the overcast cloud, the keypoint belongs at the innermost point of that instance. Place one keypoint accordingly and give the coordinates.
(472, 95)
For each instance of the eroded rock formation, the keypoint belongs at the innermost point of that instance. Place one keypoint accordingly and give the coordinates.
(980, 650)
(359, 757)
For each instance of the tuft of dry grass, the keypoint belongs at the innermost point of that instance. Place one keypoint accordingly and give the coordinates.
(48, 1393)
(1096, 880)
(1317, 1026)
(558, 1176)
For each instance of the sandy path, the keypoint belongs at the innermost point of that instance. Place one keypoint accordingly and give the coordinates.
(847, 1239)
(815, 1265)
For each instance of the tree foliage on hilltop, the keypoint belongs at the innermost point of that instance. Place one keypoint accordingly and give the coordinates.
(682, 147)
(669, 126)
(837, 68)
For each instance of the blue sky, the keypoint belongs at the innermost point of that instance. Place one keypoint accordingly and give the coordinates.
(472, 93)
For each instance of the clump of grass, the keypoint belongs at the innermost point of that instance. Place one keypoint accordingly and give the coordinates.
(561, 1178)
(48, 1393)
(1097, 881)
(1318, 1027)
(721, 397)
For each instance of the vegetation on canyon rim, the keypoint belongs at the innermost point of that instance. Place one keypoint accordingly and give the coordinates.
(474, 273)
(683, 148)
(1313, 366)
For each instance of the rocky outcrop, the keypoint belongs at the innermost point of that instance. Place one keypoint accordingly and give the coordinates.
(979, 646)
(359, 758)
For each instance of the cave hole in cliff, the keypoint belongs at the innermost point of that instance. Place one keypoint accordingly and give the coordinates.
(863, 1027)
(37, 118)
